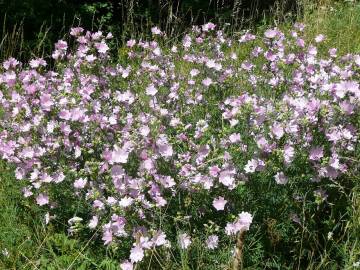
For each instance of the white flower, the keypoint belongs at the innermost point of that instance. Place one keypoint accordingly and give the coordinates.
(93, 222)
(5, 252)
(74, 220)
(251, 166)
(77, 151)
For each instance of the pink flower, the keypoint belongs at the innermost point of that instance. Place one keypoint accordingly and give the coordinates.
(347, 86)
(212, 242)
(126, 202)
(46, 102)
(242, 223)
(316, 153)
(42, 199)
(102, 47)
(280, 178)
(157, 51)
(210, 63)
(219, 203)
(61, 45)
(126, 265)
(80, 183)
(332, 52)
(300, 42)
(319, 38)
(184, 241)
(187, 41)
(156, 31)
(119, 155)
(131, 43)
(245, 218)
(77, 151)
(277, 130)
(148, 165)
(289, 153)
(98, 204)
(107, 237)
(10, 63)
(357, 60)
(159, 239)
(234, 138)
(35, 63)
(208, 26)
(165, 149)
(207, 82)
(194, 72)
(214, 171)
(151, 90)
(90, 58)
(160, 201)
(76, 31)
(117, 171)
(227, 178)
(202, 153)
(144, 130)
(271, 33)
(136, 254)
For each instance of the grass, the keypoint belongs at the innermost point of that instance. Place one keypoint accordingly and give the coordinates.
(339, 22)
(26, 243)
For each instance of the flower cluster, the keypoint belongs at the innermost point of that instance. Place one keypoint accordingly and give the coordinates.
(200, 117)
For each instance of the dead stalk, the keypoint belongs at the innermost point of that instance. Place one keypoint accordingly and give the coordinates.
(238, 256)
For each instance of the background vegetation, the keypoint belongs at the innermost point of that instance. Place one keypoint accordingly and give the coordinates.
(32, 26)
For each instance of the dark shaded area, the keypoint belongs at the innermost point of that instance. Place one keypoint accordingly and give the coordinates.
(46, 21)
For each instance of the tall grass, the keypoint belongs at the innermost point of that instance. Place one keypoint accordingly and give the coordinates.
(340, 22)
(134, 19)
(11, 43)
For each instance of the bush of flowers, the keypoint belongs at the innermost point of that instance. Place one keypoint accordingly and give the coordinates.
(168, 144)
